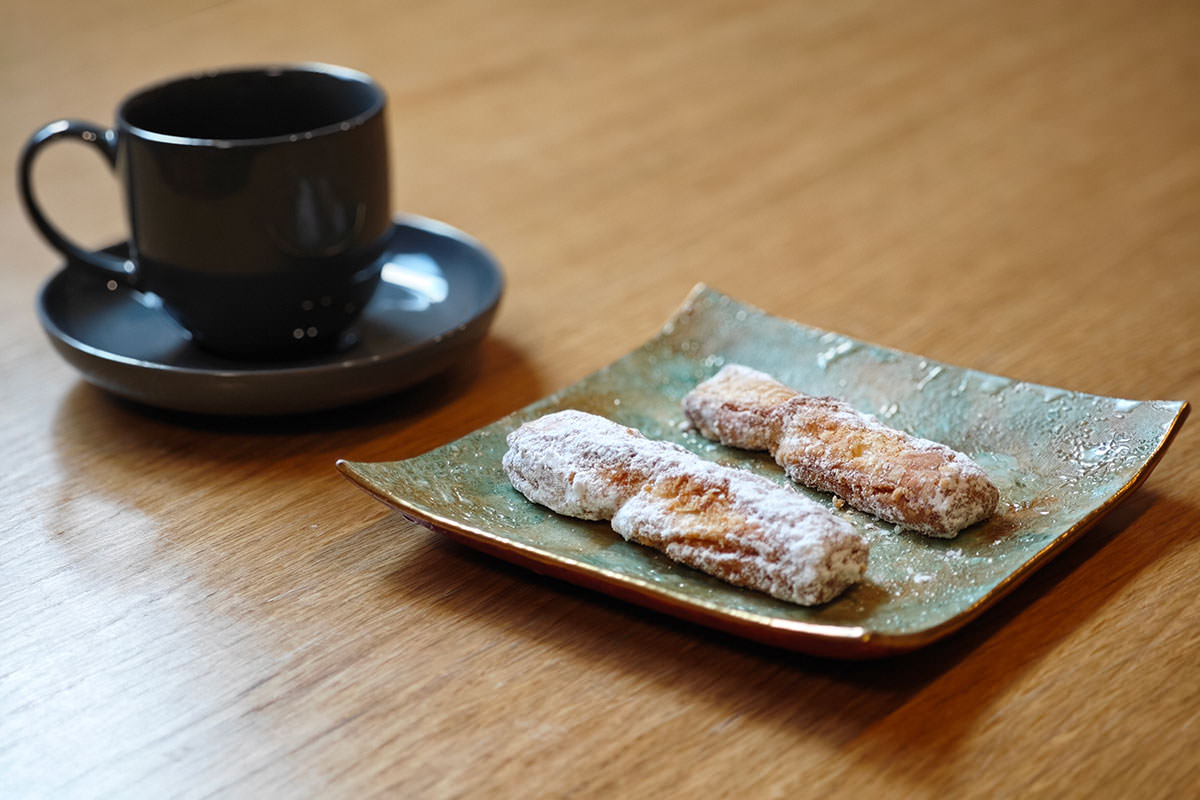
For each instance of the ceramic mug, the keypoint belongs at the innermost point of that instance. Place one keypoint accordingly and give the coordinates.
(258, 203)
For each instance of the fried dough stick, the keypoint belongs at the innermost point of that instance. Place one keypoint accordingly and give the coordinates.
(825, 444)
(737, 526)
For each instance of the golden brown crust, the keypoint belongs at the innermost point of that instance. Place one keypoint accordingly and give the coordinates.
(824, 443)
(730, 523)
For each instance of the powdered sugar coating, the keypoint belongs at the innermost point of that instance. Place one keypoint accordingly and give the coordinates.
(732, 524)
(826, 444)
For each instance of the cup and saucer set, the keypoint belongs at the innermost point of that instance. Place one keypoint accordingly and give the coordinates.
(265, 273)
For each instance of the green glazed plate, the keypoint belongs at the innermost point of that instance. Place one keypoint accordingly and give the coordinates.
(1061, 460)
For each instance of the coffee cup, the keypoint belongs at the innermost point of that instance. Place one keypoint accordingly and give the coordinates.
(257, 198)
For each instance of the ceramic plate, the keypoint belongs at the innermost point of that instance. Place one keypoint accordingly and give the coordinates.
(1061, 460)
(439, 292)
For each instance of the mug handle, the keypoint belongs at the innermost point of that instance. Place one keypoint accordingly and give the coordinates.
(105, 140)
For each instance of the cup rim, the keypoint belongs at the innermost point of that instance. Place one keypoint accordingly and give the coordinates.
(312, 67)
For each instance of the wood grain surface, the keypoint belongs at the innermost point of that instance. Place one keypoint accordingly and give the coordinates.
(195, 607)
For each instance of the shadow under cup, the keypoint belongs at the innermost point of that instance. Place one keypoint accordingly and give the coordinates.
(258, 203)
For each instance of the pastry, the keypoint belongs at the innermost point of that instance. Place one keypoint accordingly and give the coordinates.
(730, 523)
(825, 444)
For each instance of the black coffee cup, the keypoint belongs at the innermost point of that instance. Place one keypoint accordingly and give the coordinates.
(258, 202)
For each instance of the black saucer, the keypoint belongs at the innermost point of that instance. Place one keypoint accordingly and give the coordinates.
(436, 302)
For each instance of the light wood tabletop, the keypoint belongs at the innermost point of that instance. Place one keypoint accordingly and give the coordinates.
(203, 606)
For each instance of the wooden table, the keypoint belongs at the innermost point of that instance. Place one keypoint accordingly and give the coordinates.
(197, 607)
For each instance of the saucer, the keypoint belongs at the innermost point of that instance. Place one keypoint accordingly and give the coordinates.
(439, 293)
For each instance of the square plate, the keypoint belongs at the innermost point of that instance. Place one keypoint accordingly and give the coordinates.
(1060, 459)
